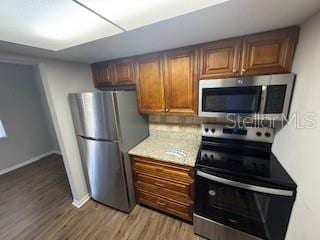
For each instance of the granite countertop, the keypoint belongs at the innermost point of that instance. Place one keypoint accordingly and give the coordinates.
(172, 147)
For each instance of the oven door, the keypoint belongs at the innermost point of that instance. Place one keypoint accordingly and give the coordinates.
(243, 96)
(257, 210)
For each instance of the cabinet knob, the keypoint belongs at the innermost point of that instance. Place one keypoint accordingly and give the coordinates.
(244, 70)
(167, 110)
(235, 70)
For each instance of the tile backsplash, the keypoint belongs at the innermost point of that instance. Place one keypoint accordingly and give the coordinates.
(176, 121)
(183, 119)
(171, 127)
(173, 130)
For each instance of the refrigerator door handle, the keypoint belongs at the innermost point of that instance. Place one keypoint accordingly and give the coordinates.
(99, 140)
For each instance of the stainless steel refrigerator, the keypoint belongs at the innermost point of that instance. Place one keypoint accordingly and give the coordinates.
(108, 125)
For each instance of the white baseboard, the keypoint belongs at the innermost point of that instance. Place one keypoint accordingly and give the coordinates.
(56, 152)
(34, 159)
(79, 204)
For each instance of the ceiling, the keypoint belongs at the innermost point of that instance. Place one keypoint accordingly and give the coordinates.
(222, 19)
(59, 24)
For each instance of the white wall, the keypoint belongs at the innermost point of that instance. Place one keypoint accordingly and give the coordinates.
(45, 107)
(23, 116)
(60, 79)
(298, 149)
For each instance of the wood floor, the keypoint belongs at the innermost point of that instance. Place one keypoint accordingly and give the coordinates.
(35, 203)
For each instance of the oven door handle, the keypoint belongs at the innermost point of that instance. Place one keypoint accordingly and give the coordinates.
(245, 186)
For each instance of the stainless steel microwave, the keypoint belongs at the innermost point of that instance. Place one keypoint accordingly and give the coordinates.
(258, 97)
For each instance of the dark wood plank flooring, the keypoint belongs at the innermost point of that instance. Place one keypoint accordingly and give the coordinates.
(35, 203)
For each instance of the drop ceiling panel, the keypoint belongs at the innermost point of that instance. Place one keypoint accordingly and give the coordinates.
(131, 14)
(50, 24)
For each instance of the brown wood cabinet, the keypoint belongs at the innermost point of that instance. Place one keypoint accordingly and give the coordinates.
(150, 84)
(167, 81)
(102, 74)
(181, 81)
(163, 186)
(257, 54)
(124, 72)
(113, 73)
(270, 52)
(220, 59)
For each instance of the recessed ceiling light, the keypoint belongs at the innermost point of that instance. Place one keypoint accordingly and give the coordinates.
(51, 24)
(61, 24)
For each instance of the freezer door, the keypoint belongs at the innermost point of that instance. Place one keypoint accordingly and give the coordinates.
(103, 167)
(94, 115)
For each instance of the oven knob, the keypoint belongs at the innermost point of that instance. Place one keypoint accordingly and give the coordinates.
(211, 157)
(206, 129)
(205, 157)
(213, 130)
(258, 134)
(212, 193)
(267, 134)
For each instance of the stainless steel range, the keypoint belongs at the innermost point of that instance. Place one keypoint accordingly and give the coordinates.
(242, 191)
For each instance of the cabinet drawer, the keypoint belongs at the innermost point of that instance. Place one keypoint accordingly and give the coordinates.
(163, 170)
(178, 187)
(164, 192)
(171, 207)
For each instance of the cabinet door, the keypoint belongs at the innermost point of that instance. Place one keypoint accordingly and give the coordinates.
(220, 59)
(124, 72)
(150, 85)
(270, 52)
(102, 74)
(181, 81)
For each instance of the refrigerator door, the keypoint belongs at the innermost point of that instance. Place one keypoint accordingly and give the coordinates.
(133, 127)
(103, 166)
(94, 115)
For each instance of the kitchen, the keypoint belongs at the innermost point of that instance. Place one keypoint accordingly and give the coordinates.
(201, 134)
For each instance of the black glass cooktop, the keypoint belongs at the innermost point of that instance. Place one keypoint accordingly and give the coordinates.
(244, 160)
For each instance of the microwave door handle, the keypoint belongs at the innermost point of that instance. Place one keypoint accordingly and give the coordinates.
(245, 186)
(263, 99)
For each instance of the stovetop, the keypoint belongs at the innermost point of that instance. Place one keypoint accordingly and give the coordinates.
(245, 159)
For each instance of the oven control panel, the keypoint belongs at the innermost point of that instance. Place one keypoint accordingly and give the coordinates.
(257, 134)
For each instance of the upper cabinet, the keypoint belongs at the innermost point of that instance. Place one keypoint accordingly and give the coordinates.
(150, 84)
(102, 74)
(220, 59)
(167, 81)
(124, 72)
(270, 52)
(119, 72)
(258, 54)
(181, 81)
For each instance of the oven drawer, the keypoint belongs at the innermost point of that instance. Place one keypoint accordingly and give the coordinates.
(217, 231)
(183, 211)
(163, 170)
(163, 191)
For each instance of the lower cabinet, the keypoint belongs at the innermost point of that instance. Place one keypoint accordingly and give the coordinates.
(166, 187)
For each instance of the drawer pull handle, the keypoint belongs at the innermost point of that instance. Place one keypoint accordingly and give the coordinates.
(159, 184)
(161, 203)
(159, 169)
